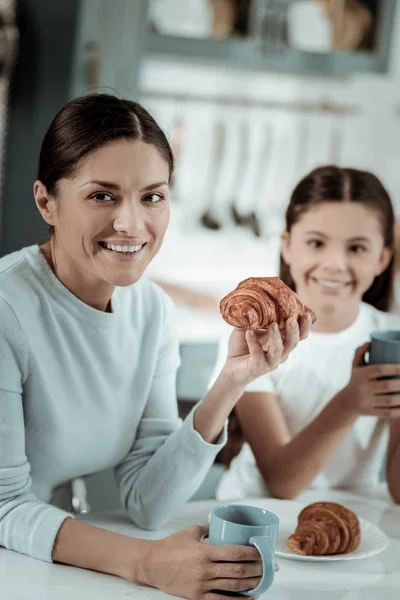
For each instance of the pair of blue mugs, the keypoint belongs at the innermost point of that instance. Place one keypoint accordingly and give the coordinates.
(252, 526)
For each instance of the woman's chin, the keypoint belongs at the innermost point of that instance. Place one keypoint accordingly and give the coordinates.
(124, 278)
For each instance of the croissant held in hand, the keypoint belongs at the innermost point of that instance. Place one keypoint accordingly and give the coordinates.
(259, 301)
(325, 528)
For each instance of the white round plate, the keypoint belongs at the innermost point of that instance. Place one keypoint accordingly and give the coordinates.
(373, 541)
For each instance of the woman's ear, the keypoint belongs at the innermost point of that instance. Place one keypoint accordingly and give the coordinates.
(384, 262)
(285, 247)
(45, 202)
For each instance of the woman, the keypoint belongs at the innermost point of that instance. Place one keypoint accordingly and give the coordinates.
(89, 357)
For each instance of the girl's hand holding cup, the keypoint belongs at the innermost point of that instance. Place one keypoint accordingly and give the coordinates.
(374, 389)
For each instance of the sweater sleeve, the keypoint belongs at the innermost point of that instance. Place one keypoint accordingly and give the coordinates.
(27, 525)
(168, 460)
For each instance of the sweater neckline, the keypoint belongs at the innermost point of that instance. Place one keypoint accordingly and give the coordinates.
(64, 296)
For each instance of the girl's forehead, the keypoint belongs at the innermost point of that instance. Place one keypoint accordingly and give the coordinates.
(347, 219)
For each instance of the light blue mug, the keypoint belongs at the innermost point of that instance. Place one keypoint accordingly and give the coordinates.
(244, 525)
(385, 347)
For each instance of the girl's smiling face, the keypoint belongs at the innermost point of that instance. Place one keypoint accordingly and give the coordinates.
(334, 251)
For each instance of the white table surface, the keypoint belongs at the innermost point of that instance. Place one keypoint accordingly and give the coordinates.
(24, 578)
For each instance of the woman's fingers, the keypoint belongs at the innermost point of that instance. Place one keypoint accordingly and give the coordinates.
(275, 349)
(236, 585)
(292, 336)
(216, 596)
(255, 349)
(305, 323)
(236, 570)
(234, 553)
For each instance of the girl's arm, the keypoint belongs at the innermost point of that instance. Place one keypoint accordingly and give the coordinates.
(288, 465)
(393, 460)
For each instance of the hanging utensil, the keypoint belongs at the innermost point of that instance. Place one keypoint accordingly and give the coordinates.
(210, 218)
(251, 219)
(281, 175)
(242, 161)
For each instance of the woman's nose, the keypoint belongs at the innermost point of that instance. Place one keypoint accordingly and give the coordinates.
(129, 218)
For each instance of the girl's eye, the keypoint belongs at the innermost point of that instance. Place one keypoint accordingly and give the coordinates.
(357, 249)
(154, 198)
(102, 197)
(315, 243)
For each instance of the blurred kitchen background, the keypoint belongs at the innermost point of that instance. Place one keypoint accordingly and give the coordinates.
(251, 93)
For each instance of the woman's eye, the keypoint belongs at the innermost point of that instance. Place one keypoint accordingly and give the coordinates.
(154, 198)
(315, 243)
(102, 197)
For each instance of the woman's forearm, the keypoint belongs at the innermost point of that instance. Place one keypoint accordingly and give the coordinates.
(294, 465)
(210, 416)
(88, 547)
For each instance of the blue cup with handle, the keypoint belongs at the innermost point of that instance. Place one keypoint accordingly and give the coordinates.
(385, 347)
(243, 525)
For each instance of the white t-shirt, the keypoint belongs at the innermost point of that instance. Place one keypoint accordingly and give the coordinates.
(315, 371)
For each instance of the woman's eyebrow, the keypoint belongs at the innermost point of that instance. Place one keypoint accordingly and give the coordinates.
(107, 184)
(115, 186)
(153, 186)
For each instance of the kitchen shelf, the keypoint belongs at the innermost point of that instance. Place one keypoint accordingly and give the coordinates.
(257, 53)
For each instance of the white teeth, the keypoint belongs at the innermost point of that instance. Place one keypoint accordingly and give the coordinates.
(118, 248)
(331, 284)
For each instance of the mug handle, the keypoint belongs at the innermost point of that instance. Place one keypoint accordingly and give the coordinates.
(263, 545)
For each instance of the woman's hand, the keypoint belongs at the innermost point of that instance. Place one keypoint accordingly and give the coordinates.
(184, 565)
(368, 394)
(254, 353)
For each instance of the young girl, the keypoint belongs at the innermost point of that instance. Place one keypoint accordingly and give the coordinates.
(323, 418)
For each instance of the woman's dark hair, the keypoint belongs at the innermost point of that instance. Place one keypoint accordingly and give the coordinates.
(331, 184)
(335, 184)
(87, 123)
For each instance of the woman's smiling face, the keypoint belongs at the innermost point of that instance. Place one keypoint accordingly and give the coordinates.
(335, 251)
(117, 199)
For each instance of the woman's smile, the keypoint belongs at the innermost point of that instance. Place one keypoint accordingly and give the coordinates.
(123, 251)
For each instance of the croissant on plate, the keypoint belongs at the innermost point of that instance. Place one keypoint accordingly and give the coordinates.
(259, 301)
(325, 528)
